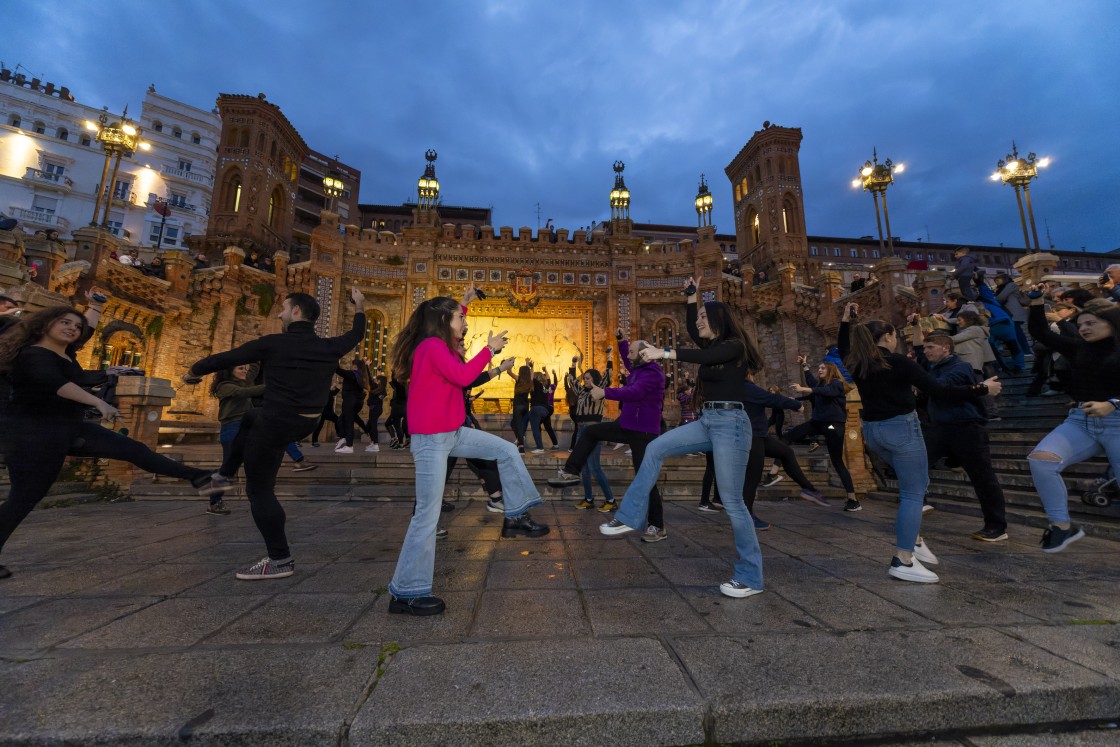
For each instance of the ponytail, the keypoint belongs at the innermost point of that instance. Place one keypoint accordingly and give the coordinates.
(865, 356)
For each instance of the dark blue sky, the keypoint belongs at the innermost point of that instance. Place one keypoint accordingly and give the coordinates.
(531, 102)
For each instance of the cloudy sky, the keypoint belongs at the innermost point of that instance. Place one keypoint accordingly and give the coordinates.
(530, 102)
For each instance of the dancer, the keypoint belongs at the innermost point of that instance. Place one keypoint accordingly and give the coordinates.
(1093, 424)
(397, 422)
(588, 411)
(376, 403)
(327, 415)
(830, 414)
(355, 383)
(726, 354)
(424, 356)
(45, 420)
(522, 388)
(575, 385)
(886, 382)
(539, 407)
(299, 366)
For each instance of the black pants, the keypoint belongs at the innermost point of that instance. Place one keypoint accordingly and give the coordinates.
(756, 461)
(259, 446)
(968, 443)
(397, 423)
(833, 439)
(547, 423)
(376, 407)
(520, 422)
(324, 418)
(485, 470)
(37, 449)
(782, 454)
(348, 417)
(575, 434)
(591, 435)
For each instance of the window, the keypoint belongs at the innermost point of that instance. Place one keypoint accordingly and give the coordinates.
(157, 126)
(53, 171)
(756, 229)
(176, 132)
(855, 253)
(835, 251)
(85, 140)
(122, 190)
(178, 200)
(115, 224)
(813, 251)
(785, 221)
(62, 133)
(738, 194)
(184, 165)
(40, 128)
(14, 120)
(42, 204)
(875, 253)
(196, 138)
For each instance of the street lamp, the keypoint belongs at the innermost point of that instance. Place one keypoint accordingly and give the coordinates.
(1018, 172)
(875, 177)
(428, 186)
(333, 188)
(620, 195)
(117, 139)
(703, 204)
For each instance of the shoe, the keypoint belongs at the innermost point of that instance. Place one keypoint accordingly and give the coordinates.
(563, 480)
(915, 571)
(394, 444)
(446, 507)
(813, 447)
(774, 480)
(735, 589)
(211, 484)
(710, 508)
(1056, 539)
(407, 444)
(717, 505)
(584, 505)
(852, 506)
(341, 443)
(523, 525)
(653, 534)
(520, 449)
(267, 568)
(4, 572)
(924, 554)
(617, 447)
(218, 508)
(304, 466)
(990, 535)
(373, 448)
(607, 507)
(344, 449)
(1048, 392)
(441, 533)
(537, 451)
(314, 445)
(496, 505)
(759, 524)
(814, 496)
(419, 606)
(628, 452)
(613, 527)
(926, 508)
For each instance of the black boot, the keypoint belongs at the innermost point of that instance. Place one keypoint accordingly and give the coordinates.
(523, 525)
(4, 572)
(420, 606)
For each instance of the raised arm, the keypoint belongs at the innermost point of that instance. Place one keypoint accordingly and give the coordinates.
(1040, 328)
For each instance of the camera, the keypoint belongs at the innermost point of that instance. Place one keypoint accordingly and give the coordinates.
(480, 294)
(1103, 279)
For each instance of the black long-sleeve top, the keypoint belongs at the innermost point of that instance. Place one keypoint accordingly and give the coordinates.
(722, 371)
(756, 400)
(828, 400)
(1095, 365)
(352, 384)
(400, 394)
(36, 376)
(888, 392)
(538, 395)
(297, 363)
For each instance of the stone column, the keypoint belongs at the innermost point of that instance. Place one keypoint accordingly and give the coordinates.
(177, 269)
(854, 457)
(930, 287)
(141, 401)
(280, 261)
(13, 271)
(233, 256)
(48, 255)
(831, 285)
(1034, 267)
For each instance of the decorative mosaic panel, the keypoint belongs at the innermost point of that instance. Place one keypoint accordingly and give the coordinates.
(495, 276)
(392, 273)
(461, 273)
(661, 282)
(419, 295)
(552, 278)
(478, 276)
(420, 267)
(601, 278)
(623, 274)
(324, 294)
(708, 296)
(569, 278)
(585, 278)
(624, 314)
(444, 273)
(537, 278)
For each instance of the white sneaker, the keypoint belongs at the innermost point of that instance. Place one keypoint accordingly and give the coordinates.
(926, 508)
(344, 449)
(924, 554)
(618, 446)
(772, 481)
(341, 442)
(628, 452)
(735, 589)
(914, 572)
(537, 451)
(613, 527)
(372, 448)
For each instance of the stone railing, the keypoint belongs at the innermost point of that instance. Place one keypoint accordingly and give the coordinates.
(299, 277)
(125, 280)
(206, 284)
(65, 279)
(189, 176)
(46, 177)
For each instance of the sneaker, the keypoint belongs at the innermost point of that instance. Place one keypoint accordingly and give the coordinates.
(211, 484)
(924, 554)
(407, 443)
(653, 534)
(496, 505)
(628, 452)
(735, 589)
(774, 480)
(218, 508)
(607, 507)
(441, 533)
(815, 496)
(446, 507)
(267, 568)
(1048, 392)
(304, 466)
(520, 449)
(617, 447)
(990, 535)
(926, 508)
(563, 480)
(852, 506)
(613, 527)
(394, 444)
(584, 505)
(537, 451)
(914, 571)
(341, 443)
(759, 524)
(373, 448)
(314, 445)
(813, 447)
(344, 449)
(1056, 539)
(710, 508)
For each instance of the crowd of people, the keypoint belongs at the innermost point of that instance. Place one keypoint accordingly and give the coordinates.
(925, 396)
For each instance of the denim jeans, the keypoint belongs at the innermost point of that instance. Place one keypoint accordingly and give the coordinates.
(536, 415)
(1079, 438)
(594, 467)
(899, 442)
(1003, 331)
(413, 576)
(727, 434)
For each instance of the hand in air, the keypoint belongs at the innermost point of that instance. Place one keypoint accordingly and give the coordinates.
(652, 354)
(597, 393)
(497, 341)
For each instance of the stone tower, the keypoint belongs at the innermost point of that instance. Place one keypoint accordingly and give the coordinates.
(769, 205)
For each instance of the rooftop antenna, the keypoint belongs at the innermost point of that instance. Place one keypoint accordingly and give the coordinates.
(1049, 240)
(928, 239)
(538, 216)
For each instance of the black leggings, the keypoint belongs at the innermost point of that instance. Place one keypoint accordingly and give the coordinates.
(396, 425)
(520, 422)
(591, 435)
(756, 461)
(485, 470)
(833, 439)
(37, 449)
(376, 407)
(325, 417)
(348, 418)
(782, 454)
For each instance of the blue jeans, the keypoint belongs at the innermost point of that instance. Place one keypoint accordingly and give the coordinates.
(413, 576)
(594, 467)
(727, 434)
(229, 432)
(1075, 440)
(536, 415)
(1004, 331)
(899, 442)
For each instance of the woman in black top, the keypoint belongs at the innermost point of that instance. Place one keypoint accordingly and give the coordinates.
(522, 387)
(327, 415)
(376, 402)
(45, 421)
(828, 394)
(886, 382)
(1093, 424)
(397, 422)
(355, 382)
(726, 354)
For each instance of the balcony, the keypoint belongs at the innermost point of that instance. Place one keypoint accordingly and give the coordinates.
(57, 182)
(187, 176)
(39, 218)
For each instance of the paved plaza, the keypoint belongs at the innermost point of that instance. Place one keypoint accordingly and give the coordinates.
(123, 624)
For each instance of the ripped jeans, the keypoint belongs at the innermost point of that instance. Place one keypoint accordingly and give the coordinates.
(1079, 438)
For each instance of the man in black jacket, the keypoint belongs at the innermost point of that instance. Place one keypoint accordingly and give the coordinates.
(298, 366)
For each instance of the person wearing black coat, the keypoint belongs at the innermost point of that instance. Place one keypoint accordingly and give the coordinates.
(828, 395)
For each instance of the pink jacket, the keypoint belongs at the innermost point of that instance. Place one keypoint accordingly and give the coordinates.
(435, 391)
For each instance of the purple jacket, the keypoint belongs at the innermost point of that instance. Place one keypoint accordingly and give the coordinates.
(643, 396)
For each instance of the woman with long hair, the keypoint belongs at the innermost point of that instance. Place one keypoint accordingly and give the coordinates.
(886, 382)
(424, 356)
(355, 383)
(397, 422)
(726, 355)
(376, 402)
(45, 420)
(1093, 424)
(539, 397)
(828, 393)
(588, 411)
(522, 389)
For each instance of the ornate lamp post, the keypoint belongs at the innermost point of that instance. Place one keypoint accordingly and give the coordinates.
(620, 195)
(703, 204)
(118, 139)
(428, 186)
(333, 188)
(875, 177)
(1018, 172)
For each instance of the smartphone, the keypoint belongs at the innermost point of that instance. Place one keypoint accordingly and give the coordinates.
(98, 296)
(480, 294)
